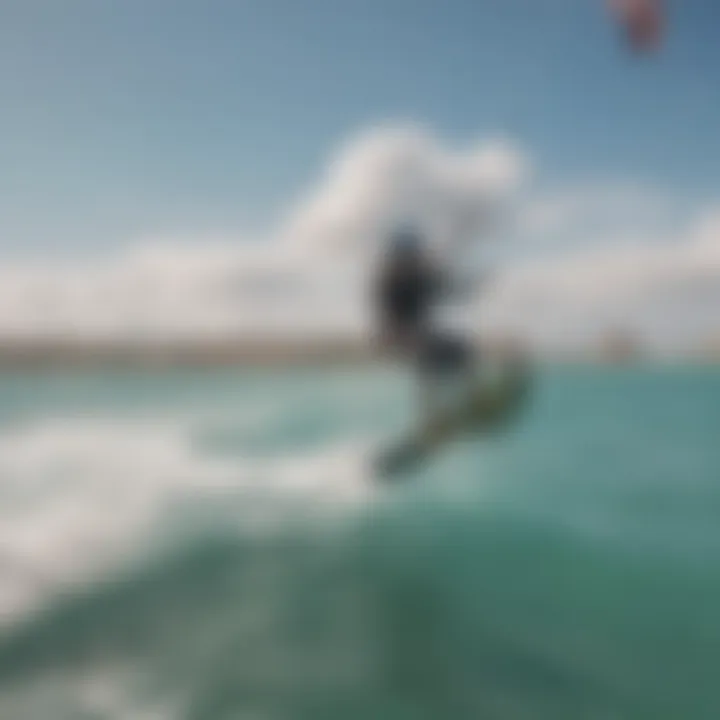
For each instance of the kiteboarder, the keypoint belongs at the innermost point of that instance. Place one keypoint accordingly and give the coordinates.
(409, 285)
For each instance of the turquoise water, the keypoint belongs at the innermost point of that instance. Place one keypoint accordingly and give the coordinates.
(210, 546)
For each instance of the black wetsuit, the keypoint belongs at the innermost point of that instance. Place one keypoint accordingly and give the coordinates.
(406, 293)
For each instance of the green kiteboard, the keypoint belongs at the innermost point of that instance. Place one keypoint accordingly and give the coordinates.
(487, 407)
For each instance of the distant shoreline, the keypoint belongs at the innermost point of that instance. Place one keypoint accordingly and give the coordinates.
(72, 354)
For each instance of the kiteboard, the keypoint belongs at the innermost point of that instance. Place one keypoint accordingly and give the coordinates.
(487, 406)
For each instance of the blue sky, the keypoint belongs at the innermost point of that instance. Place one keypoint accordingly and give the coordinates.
(122, 118)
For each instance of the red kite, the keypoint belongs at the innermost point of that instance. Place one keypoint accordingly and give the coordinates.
(642, 20)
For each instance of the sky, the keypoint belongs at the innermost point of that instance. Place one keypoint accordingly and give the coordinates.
(128, 123)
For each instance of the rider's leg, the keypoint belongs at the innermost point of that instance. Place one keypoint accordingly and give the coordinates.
(445, 366)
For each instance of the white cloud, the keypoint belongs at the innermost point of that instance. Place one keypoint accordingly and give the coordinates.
(293, 281)
(600, 213)
(582, 258)
(388, 176)
(630, 283)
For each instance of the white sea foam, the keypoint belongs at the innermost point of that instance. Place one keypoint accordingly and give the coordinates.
(82, 494)
(109, 692)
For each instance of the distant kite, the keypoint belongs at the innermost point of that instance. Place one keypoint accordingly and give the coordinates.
(643, 22)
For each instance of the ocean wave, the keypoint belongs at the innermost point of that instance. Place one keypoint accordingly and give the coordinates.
(81, 494)
(157, 570)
